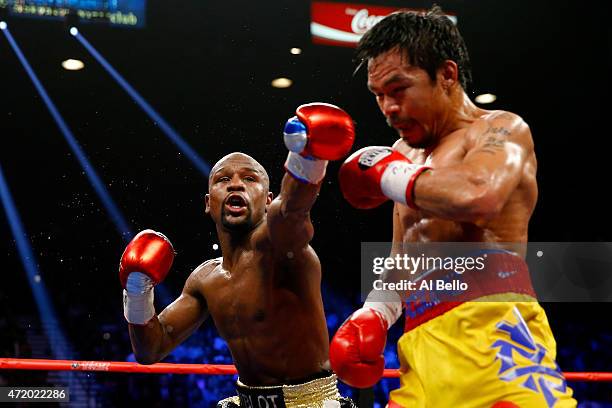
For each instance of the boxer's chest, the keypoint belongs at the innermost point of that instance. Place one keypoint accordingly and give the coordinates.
(418, 226)
(243, 298)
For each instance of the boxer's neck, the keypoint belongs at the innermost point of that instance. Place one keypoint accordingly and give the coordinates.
(233, 244)
(460, 113)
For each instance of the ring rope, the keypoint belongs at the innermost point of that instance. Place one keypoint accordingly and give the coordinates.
(208, 369)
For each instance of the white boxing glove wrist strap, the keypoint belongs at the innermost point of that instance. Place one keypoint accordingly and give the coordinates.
(390, 309)
(397, 181)
(138, 308)
(138, 305)
(306, 170)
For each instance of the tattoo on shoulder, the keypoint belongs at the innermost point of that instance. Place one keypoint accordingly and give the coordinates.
(496, 137)
(496, 141)
(498, 131)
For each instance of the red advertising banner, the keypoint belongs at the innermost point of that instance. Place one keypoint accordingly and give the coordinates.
(344, 23)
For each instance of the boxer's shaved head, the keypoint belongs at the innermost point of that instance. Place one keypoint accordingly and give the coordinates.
(238, 193)
(242, 158)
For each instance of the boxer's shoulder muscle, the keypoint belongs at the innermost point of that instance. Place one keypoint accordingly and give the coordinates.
(208, 265)
(503, 115)
(500, 126)
(295, 259)
(204, 271)
(299, 269)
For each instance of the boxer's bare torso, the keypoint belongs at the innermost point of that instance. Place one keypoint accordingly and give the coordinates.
(264, 294)
(486, 135)
(268, 308)
(482, 187)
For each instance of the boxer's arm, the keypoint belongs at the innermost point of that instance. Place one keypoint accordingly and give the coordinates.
(397, 247)
(318, 133)
(289, 224)
(479, 187)
(155, 340)
(398, 233)
(389, 302)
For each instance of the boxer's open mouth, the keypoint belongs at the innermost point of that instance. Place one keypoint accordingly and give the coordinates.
(236, 204)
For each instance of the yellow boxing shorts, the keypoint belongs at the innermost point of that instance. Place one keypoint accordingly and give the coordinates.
(497, 351)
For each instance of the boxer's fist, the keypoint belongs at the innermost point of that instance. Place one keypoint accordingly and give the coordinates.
(145, 262)
(375, 174)
(319, 132)
(356, 351)
(149, 253)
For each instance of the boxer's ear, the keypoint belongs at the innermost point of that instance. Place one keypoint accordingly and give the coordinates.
(207, 203)
(269, 199)
(447, 74)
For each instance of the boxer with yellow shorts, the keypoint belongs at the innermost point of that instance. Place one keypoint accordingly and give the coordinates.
(458, 173)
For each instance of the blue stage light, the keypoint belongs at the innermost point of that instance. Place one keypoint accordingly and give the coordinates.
(110, 206)
(183, 146)
(58, 342)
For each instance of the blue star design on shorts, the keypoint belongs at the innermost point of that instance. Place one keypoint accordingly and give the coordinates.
(522, 342)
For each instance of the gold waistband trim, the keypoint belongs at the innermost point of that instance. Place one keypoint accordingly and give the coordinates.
(311, 394)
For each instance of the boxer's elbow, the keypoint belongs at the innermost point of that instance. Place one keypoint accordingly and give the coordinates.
(302, 230)
(291, 230)
(146, 359)
(300, 224)
(480, 203)
(148, 341)
(146, 354)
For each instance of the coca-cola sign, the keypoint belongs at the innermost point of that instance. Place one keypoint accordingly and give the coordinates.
(362, 21)
(345, 23)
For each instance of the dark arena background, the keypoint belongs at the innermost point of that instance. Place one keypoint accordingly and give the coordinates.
(91, 156)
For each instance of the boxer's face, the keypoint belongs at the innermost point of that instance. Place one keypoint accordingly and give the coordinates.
(237, 193)
(412, 103)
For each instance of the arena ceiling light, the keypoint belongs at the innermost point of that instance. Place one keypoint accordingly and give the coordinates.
(2, 25)
(295, 51)
(282, 83)
(486, 98)
(73, 64)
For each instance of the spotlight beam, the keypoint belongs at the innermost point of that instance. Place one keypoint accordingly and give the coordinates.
(57, 340)
(110, 206)
(183, 146)
(60, 345)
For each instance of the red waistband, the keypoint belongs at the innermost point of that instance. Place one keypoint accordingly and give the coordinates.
(503, 272)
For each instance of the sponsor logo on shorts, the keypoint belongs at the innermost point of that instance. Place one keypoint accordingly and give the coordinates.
(521, 358)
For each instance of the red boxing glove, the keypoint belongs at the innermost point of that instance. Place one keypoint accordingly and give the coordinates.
(149, 253)
(319, 132)
(326, 132)
(145, 262)
(356, 351)
(375, 174)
